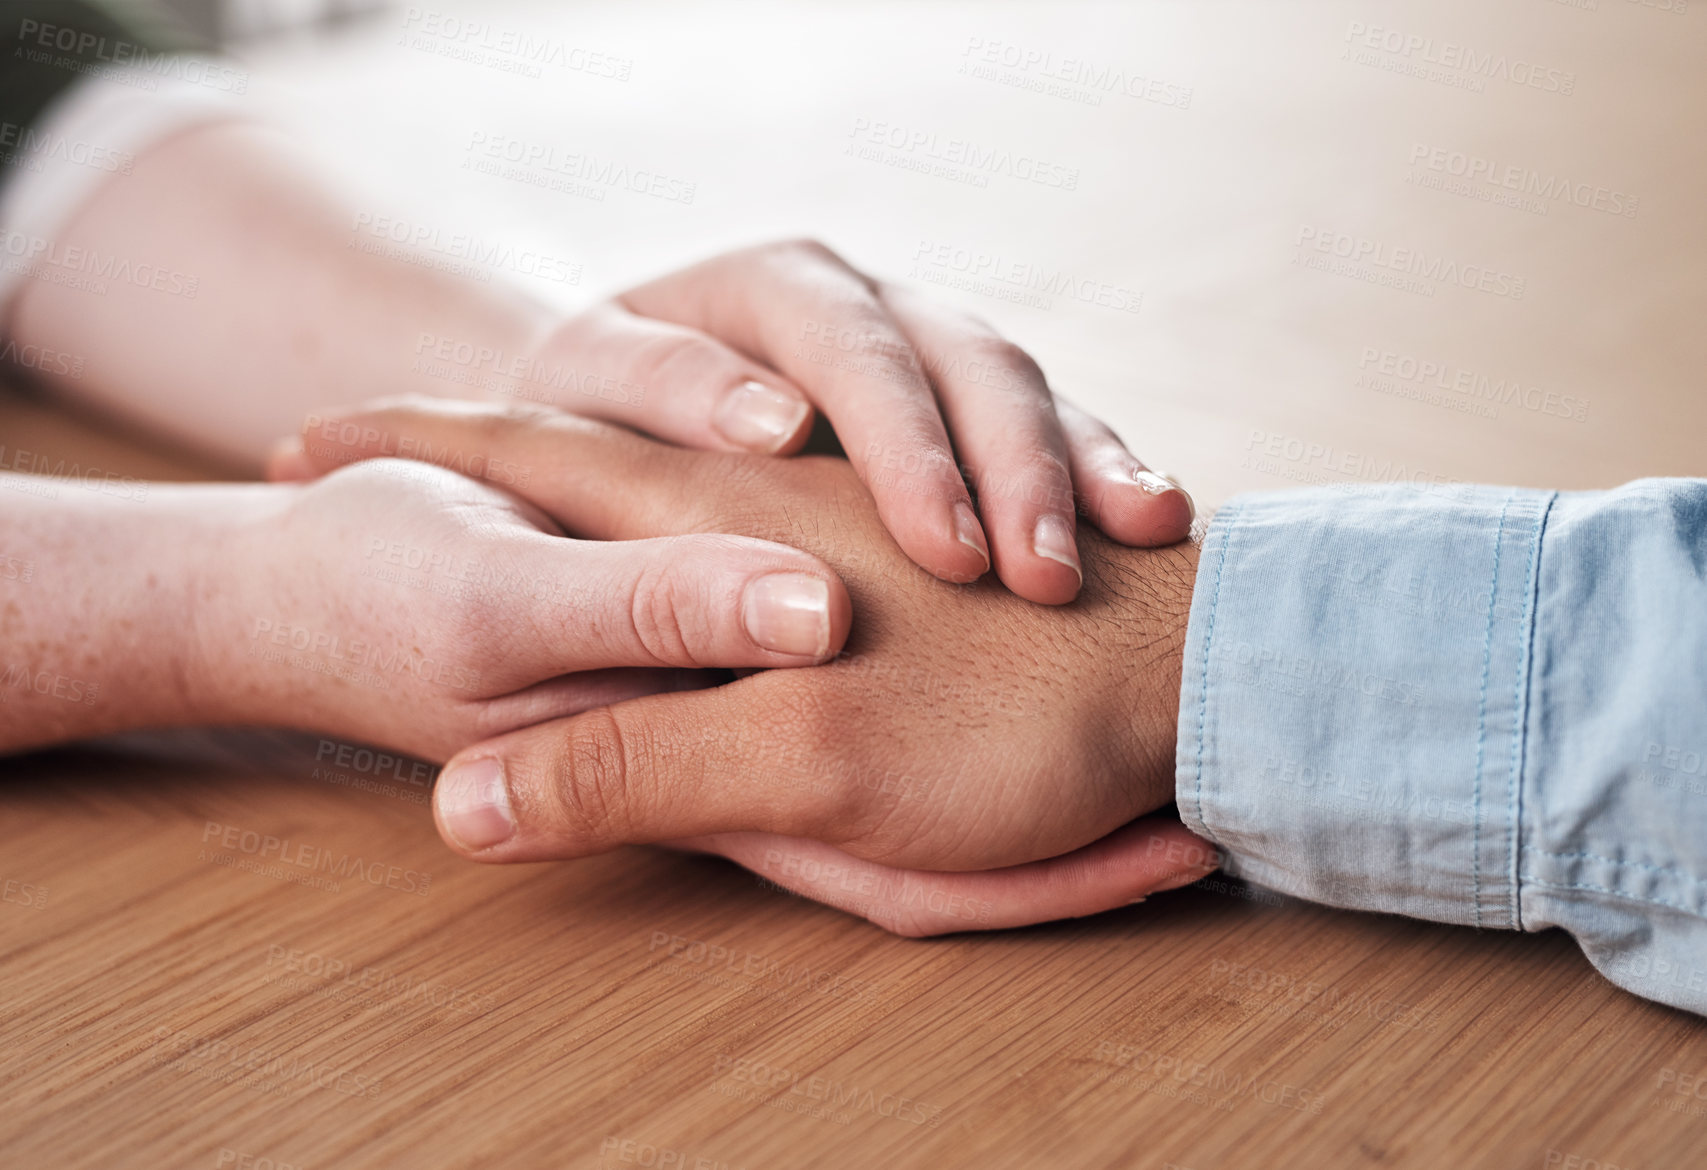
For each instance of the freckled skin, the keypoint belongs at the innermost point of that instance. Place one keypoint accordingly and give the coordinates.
(391, 603)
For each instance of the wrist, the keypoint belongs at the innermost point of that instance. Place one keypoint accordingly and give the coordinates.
(238, 534)
(238, 578)
(193, 559)
(1156, 590)
(104, 632)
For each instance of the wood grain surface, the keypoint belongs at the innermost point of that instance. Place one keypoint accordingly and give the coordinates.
(169, 998)
(164, 1004)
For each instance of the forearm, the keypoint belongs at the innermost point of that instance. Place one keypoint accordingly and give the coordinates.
(107, 591)
(1150, 605)
(263, 309)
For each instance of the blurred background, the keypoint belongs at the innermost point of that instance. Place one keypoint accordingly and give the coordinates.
(1273, 243)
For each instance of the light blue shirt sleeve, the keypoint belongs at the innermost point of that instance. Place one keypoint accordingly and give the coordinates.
(1477, 705)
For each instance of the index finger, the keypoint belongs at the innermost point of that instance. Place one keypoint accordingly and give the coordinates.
(804, 312)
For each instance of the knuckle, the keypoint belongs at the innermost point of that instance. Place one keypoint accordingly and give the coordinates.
(898, 364)
(913, 461)
(658, 605)
(874, 336)
(1007, 355)
(1045, 465)
(677, 357)
(1084, 428)
(590, 791)
(807, 248)
(846, 796)
(1038, 478)
(1046, 472)
(1026, 458)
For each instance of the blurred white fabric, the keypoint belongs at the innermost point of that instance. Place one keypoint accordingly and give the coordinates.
(58, 167)
(1258, 357)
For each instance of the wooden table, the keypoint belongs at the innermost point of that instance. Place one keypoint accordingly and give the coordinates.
(167, 999)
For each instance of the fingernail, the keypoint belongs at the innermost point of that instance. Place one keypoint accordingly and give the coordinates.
(788, 613)
(1053, 538)
(474, 805)
(1135, 901)
(969, 532)
(1155, 485)
(758, 417)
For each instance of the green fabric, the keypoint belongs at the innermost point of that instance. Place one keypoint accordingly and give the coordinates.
(47, 46)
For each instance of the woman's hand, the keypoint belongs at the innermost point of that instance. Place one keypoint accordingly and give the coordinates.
(733, 354)
(413, 608)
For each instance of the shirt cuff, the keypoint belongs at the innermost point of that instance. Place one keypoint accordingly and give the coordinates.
(1354, 692)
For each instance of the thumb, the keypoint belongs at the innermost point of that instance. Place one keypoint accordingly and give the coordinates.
(700, 601)
(653, 769)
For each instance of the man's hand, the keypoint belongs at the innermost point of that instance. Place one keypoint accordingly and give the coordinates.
(1150, 855)
(962, 728)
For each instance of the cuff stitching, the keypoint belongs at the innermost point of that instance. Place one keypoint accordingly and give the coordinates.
(1228, 517)
(1545, 884)
(1482, 722)
(1521, 696)
(1666, 869)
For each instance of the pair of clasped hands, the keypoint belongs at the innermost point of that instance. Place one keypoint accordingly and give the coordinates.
(843, 674)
